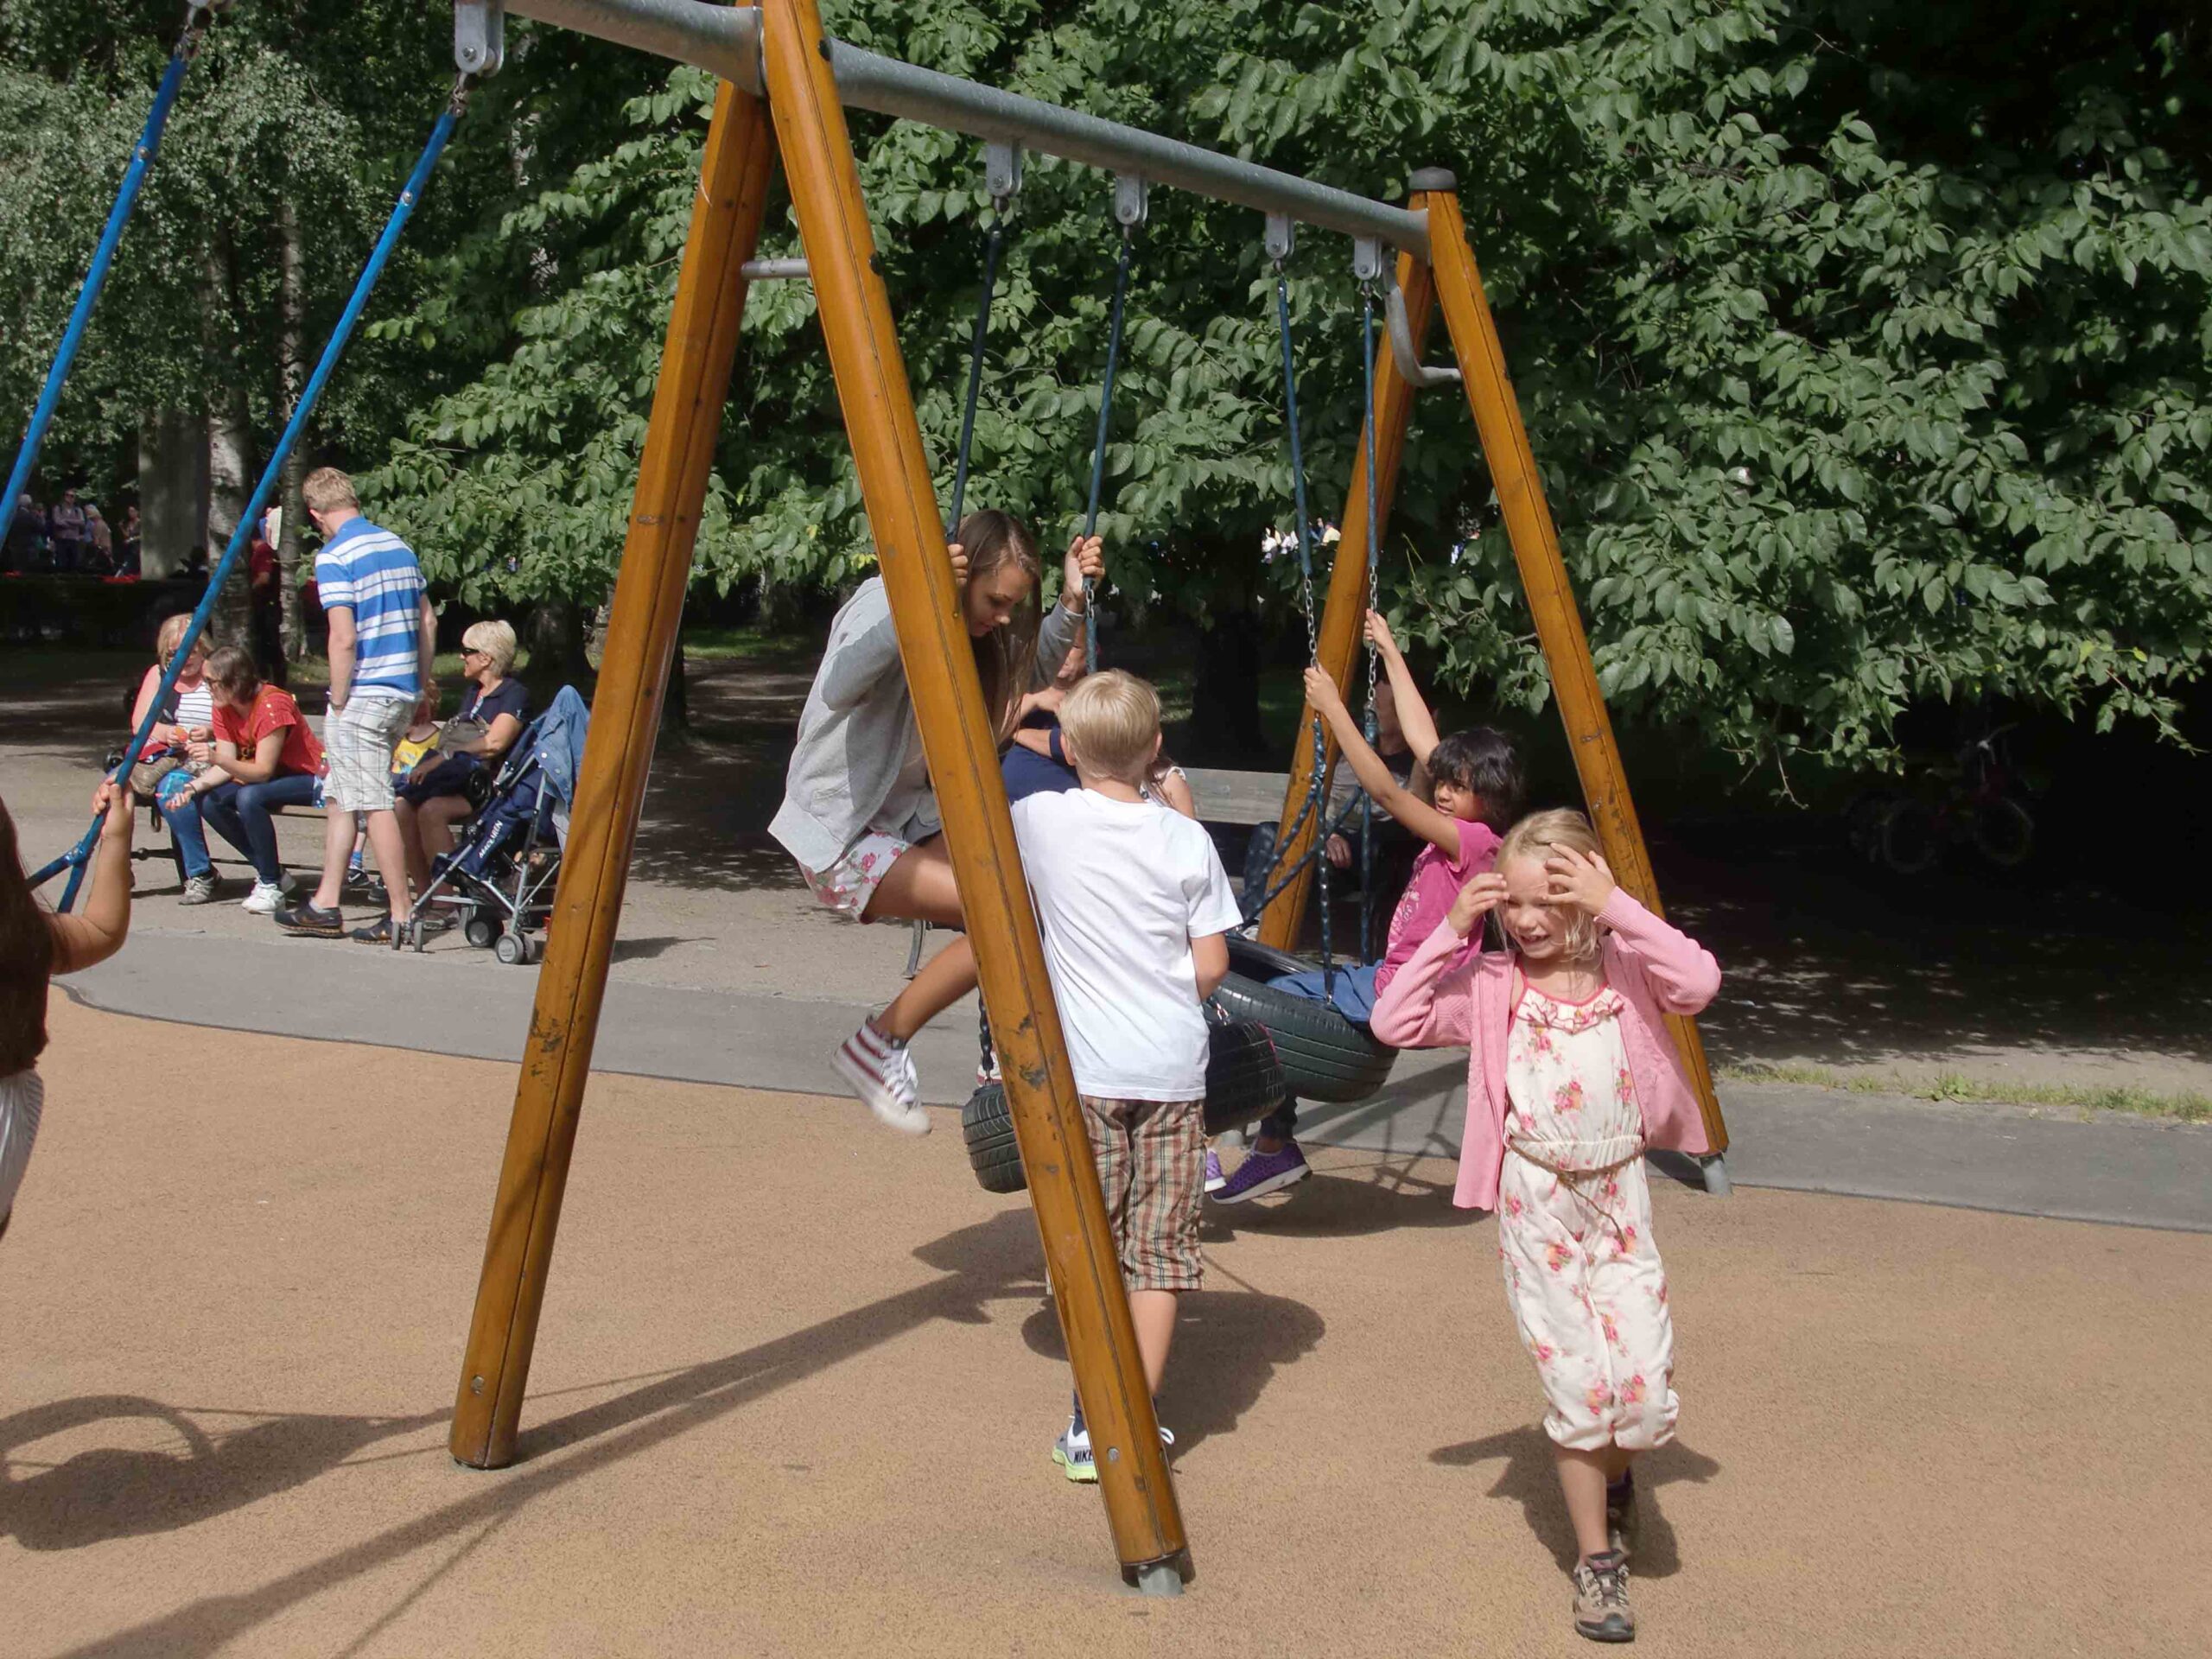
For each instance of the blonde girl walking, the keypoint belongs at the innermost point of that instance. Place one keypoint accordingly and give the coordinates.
(1570, 1077)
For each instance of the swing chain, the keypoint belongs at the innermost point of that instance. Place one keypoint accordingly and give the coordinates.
(463, 84)
(1129, 195)
(1281, 238)
(1374, 608)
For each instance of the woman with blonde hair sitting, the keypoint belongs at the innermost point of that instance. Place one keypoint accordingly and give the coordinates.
(182, 743)
(492, 717)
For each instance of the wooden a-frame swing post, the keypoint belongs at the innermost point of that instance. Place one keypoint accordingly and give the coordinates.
(960, 743)
(648, 607)
(1504, 438)
(808, 127)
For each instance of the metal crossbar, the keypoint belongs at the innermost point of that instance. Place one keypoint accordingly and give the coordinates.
(725, 40)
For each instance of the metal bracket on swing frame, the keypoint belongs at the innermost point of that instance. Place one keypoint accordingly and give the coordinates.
(479, 37)
(1132, 199)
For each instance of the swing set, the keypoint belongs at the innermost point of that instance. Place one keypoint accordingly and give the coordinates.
(785, 88)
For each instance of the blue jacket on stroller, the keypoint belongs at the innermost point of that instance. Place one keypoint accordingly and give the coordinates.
(501, 878)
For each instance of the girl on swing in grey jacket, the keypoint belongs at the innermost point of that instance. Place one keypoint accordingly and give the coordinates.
(859, 817)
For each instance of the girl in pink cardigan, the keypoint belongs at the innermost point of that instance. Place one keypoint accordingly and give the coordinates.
(1570, 1076)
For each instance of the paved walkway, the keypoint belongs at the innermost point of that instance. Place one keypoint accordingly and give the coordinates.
(2104, 1167)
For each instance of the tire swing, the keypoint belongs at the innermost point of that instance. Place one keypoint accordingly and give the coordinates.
(1324, 1056)
(1243, 1080)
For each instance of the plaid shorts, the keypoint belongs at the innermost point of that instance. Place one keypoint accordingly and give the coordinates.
(1151, 1156)
(360, 739)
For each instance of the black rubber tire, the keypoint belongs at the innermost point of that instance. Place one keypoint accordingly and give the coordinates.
(1324, 1056)
(512, 949)
(1244, 1083)
(1262, 961)
(2004, 833)
(993, 1153)
(1244, 1076)
(1911, 838)
(480, 931)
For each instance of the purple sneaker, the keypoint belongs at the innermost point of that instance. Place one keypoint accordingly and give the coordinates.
(1215, 1179)
(1263, 1173)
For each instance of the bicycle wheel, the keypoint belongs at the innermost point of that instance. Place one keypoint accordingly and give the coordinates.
(1911, 838)
(2004, 833)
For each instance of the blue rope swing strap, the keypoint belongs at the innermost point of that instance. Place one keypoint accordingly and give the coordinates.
(196, 17)
(75, 859)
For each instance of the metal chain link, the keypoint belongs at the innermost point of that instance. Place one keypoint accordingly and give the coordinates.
(1305, 594)
(1367, 951)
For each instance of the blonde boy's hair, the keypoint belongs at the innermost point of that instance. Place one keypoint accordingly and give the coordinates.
(1110, 725)
(496, 639)
(328, 490)
(1534, 836)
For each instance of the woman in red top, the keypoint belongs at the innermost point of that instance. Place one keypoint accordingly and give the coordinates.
(265, 757)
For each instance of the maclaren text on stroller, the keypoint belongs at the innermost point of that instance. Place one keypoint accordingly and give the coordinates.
(500, 880)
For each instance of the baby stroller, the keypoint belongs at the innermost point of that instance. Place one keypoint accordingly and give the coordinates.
(500, 880)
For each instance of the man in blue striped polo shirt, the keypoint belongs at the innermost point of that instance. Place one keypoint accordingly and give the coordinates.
(383, 635)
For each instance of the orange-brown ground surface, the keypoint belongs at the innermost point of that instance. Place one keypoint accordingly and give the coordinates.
(797, 1381)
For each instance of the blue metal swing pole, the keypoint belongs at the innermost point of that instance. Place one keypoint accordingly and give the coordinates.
(401, 212)
(126, 198)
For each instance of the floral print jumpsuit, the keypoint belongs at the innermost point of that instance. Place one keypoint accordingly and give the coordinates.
(1575, 1227)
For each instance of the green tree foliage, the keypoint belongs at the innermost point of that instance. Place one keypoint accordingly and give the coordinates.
(323, 104)
(1866, 349)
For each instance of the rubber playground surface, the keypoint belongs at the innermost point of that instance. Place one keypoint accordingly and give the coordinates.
(797, 1381)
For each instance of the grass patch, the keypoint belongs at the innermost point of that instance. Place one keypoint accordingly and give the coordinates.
(2184, 1106)
(732, 645)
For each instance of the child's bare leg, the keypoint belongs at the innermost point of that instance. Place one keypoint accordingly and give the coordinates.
(919, 886)
(1582, 1477)
(1153, 1311)
(1618, 1459)
(945, 979)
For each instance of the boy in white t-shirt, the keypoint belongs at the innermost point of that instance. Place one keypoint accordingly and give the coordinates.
(1133, 903)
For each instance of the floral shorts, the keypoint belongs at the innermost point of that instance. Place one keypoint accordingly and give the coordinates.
(849, 885)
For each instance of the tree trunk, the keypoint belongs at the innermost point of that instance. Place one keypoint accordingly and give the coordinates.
(1226, 725)
(291, 372)
(556, 636)
(229, 440)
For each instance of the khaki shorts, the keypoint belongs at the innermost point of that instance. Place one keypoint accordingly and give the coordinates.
(1151, 1156)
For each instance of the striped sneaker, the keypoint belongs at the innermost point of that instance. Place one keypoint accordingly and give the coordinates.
(881, 1072)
